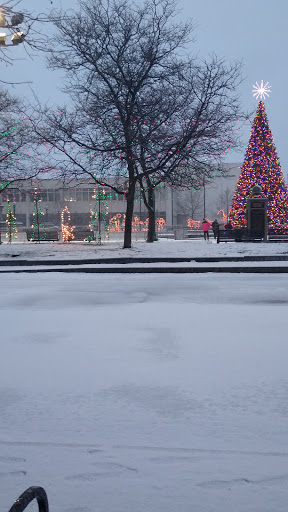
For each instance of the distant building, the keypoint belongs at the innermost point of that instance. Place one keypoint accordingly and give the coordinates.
(173, 205)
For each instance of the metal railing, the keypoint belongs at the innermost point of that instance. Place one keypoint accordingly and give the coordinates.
(29, 495)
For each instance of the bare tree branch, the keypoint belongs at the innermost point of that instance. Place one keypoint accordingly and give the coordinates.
(21, 156)
(21, 27)
(143, 110)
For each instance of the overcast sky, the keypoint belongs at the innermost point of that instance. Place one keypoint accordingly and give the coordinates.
(254, 31)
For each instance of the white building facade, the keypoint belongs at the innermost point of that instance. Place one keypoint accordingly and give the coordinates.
(175, 206)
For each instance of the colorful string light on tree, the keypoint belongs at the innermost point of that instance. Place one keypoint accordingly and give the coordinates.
(99, 215)
(11, 232)
(261, 166)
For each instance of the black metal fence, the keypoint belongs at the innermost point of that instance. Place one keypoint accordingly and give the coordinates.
(250, 235)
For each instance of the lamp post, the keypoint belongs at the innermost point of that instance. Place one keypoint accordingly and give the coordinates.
(37, 216)
(172, 207)
(15, 19)
(1, 209)
(204, 199)
(140, 212)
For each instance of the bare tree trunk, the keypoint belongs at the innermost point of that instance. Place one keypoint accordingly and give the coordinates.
(151, 235)
(129, 215)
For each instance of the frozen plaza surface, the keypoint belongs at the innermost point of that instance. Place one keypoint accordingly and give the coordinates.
(145, 393)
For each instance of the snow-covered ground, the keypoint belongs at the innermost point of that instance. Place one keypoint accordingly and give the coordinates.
(145, 392)
(189, 248)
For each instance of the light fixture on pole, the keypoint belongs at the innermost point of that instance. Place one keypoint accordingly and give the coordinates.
(15, 20)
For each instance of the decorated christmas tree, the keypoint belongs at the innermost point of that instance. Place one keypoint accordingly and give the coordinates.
(261, 167)
(38, 228)
(11, 224)
(98, 215)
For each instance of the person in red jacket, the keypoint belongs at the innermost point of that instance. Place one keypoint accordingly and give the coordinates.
(206, 227)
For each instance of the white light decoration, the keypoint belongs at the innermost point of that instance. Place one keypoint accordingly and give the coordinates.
(261, 91)
(66, 228)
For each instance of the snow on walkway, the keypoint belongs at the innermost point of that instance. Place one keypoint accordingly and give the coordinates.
(145, 393)
(188, 248)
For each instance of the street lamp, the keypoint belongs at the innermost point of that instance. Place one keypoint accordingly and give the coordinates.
(204, 198)
(15, 20)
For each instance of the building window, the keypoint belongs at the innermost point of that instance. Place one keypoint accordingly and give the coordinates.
(78, 194)
(14, 195)
(50, 195)
(91, 193)
(57, 196)
(42, 195)
(69, 194)
(85, 194)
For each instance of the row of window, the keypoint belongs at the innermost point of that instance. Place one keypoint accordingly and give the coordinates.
(66, 194)
(52, 195)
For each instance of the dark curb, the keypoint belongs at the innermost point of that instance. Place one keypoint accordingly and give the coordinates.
(156, 270)
(125, 260)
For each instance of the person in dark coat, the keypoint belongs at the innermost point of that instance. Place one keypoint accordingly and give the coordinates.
(215, 227)
(228, 226)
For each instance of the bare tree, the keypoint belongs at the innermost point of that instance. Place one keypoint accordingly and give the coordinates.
(191, 203)
(224, 201)
(21, 156)
(143, 110)
(190, 178)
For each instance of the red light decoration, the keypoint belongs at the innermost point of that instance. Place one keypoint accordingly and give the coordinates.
(261, 166)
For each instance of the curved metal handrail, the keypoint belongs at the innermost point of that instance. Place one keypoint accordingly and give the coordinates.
(29, 495)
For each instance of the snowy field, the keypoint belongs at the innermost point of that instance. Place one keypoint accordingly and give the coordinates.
(187, 248)
(156, 393)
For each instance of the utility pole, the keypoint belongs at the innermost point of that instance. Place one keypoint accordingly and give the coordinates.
(37, 217)
(140, 198)
(1, 209)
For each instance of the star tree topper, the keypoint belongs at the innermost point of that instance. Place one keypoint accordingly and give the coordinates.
(261, 91)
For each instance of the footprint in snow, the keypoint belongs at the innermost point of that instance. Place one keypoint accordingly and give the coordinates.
(3, 474)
